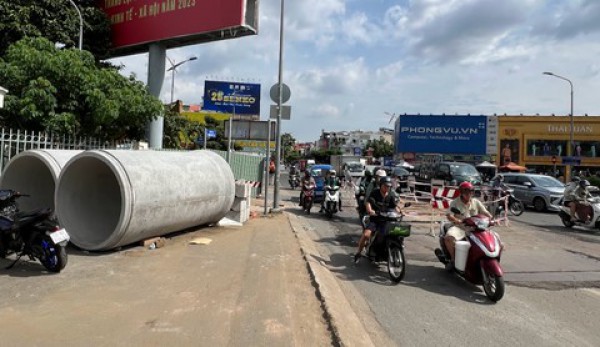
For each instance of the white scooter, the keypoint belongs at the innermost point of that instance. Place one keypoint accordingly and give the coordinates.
(587, 213)
(332, 198)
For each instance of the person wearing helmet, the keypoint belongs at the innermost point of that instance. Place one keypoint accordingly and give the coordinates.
(467, 206)
(374, 185)
(568, 198)
(381, 200)
(362, 186)
(307, 183)
(580, 194)
(332, 181)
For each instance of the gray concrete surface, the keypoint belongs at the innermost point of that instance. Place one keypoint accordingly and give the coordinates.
(249, 287)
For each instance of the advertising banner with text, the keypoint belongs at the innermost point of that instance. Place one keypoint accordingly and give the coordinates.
(441, 134)
(136, 23)
(232, 97)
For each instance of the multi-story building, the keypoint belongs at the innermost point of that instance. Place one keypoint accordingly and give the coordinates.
(352, 142)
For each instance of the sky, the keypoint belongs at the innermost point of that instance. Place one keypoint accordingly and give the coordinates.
(350, 64)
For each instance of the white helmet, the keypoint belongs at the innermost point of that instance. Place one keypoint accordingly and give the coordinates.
(380, 173)
(332, 172)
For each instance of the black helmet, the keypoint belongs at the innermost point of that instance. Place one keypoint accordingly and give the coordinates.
(386, 180)
(575, 179)
(584, 183)
(368, 174)
(499, 177)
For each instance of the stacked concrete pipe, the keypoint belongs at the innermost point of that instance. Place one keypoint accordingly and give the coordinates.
(35, 173)
(107, 199)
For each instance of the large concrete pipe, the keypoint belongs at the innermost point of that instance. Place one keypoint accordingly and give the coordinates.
(106, 199)
(35, 172)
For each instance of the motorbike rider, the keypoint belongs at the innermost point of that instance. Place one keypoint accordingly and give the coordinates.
(580, 194)
(364, 183)
(380, 200)
(468, 207)
(374, 185)
(332, 181)
(569, 199)
(307, 183)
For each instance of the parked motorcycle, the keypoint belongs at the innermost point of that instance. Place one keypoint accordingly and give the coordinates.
(478, 258)
(294, 181)
(587, 213)
(515, 206)
(307, 197)
(332, 198)
(389, 245)
(34, 234)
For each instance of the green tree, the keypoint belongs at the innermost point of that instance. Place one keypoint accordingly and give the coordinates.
(180, 132)
(381, 148)
(57, 21)
(287, 147)
(63, 90)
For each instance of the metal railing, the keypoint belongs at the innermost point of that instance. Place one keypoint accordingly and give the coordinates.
(13, 142)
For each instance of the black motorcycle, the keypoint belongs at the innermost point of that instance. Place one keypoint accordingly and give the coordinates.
(515, 206)
(389, 245)
(294, 181)
(359, 195)
(34, 234)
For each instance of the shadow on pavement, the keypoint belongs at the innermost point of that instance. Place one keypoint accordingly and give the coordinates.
(428, 278)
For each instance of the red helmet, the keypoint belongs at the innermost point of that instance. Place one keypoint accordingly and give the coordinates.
(465, 186)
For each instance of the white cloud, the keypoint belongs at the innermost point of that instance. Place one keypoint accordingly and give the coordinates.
(347, 62)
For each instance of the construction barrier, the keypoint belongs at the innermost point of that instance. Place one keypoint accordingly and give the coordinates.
(439, 197)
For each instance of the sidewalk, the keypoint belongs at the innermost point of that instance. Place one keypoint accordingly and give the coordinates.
(248, 287)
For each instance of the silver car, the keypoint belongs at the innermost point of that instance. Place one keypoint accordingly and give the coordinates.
(540, 191)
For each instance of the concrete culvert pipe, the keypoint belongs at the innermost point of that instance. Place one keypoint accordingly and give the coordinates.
(35, 172)
(106, 199)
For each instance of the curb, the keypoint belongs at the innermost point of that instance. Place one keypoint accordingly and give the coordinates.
(347, 329)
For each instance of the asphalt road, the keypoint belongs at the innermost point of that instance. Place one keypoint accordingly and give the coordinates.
(552, 296)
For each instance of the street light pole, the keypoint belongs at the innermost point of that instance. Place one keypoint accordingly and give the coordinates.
(80, 24)
(570, 148)
(279, 103)
(173, 68)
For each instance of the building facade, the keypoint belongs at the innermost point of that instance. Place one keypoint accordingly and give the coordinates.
(541, 142)
(352, 142)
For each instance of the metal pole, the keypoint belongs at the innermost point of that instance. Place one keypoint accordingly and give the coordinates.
(279, 102)
(205, 137)
(230, 130)
(267, 159)
(173, 68)
(80, 24)
(571, 146)
(172, 84)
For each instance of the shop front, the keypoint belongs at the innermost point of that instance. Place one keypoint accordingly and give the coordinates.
(541, 143)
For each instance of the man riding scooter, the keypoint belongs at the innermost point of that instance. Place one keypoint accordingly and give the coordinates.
(332, 181)
(468, 207)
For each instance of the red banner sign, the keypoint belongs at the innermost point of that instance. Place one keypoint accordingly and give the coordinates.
(137, 23)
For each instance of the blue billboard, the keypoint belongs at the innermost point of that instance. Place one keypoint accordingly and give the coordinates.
(441, 134)
(232, 97)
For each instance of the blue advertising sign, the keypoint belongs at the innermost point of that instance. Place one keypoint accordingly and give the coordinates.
(232, 97)
(210, 133)
(441, 134)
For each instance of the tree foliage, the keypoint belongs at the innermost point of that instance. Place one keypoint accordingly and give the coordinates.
(381, 148)
(287, 147)
(65, 91)
(57, 21)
